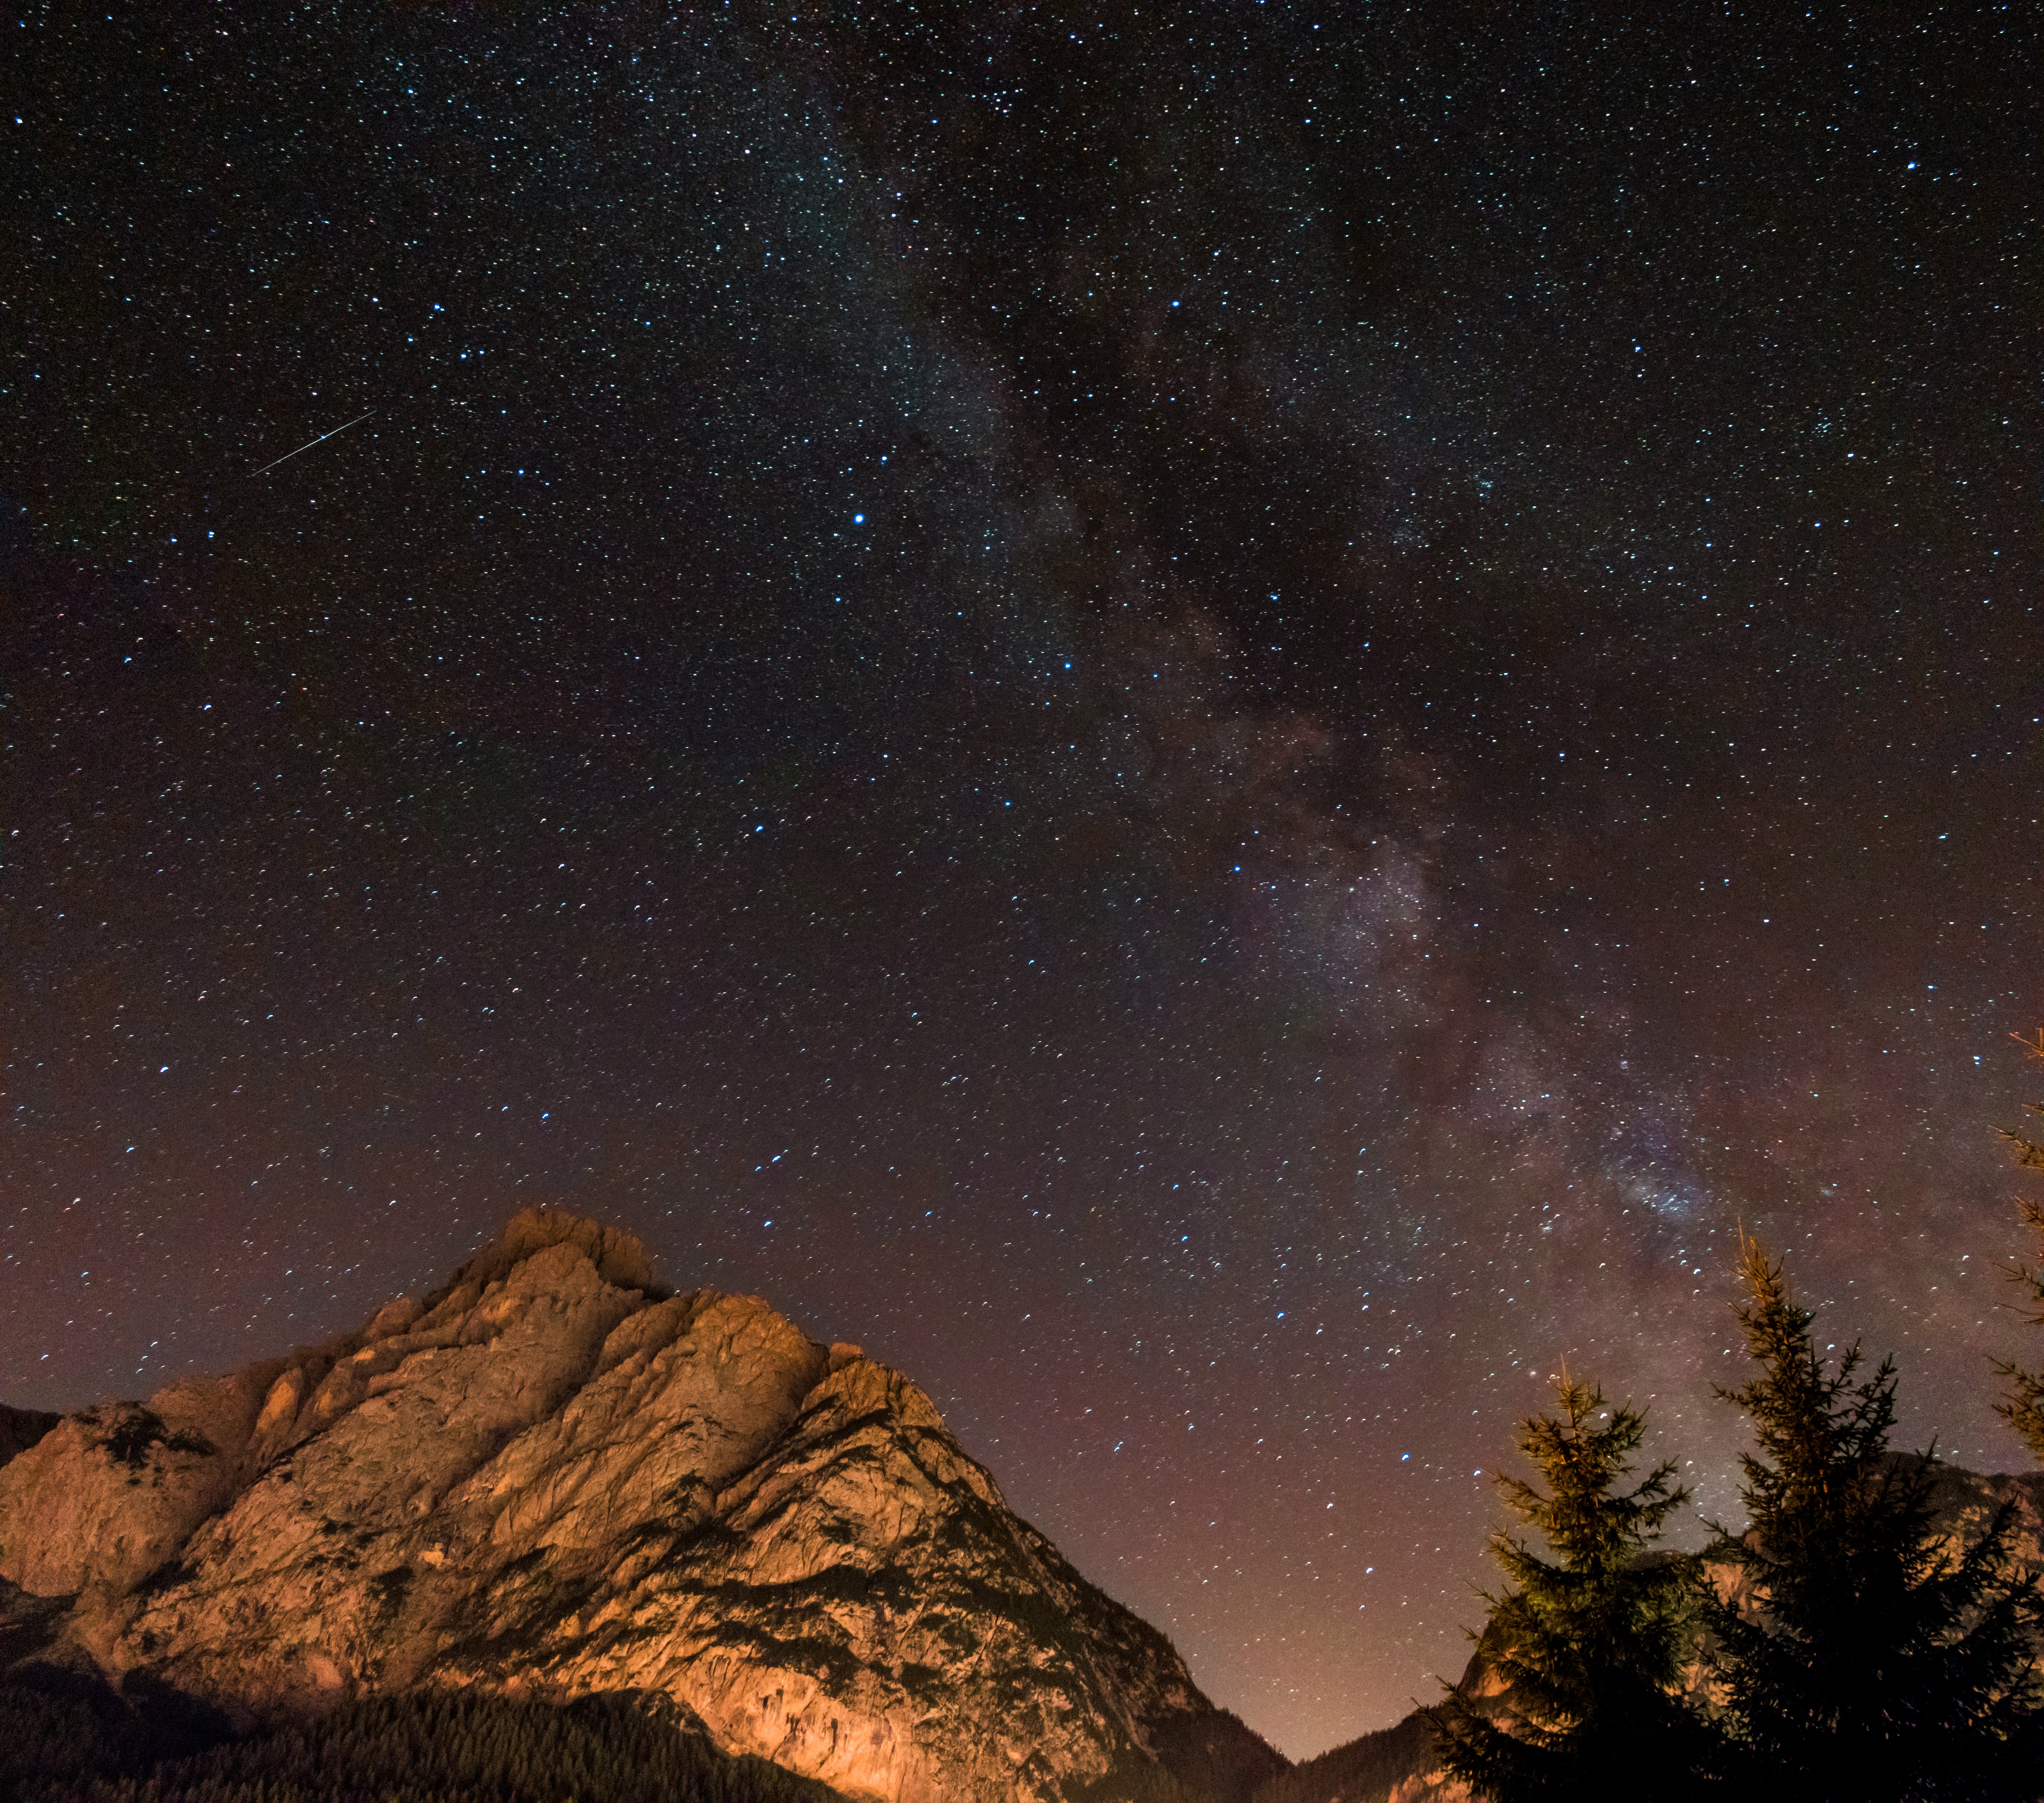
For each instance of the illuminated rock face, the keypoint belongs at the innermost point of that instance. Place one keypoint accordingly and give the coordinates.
(550, 1482)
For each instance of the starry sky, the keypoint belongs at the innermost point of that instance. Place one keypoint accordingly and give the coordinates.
(1225, 722)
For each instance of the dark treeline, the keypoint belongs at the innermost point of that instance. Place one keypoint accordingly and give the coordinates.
(1367, 1770)
(1839, 1648)
(66, 1739)
(63, 1742)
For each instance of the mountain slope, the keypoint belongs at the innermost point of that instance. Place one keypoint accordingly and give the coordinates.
(549, 1481)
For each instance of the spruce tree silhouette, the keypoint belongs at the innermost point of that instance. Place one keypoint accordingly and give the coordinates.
(1590, 1644)
(1867, 1662)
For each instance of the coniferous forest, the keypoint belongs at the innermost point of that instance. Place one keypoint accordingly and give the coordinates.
(77, 1744)
(1838, 1648)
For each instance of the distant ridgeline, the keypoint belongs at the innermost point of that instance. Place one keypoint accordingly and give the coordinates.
(1368, 1771)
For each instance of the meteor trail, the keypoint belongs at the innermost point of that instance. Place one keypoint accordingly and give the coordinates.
(309, 442)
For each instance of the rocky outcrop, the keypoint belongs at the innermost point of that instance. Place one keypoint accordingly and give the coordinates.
(551, 1480)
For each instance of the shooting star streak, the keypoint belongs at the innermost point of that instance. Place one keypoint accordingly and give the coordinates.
(323, 437)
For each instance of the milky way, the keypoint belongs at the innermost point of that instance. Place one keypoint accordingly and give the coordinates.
(1225, 724)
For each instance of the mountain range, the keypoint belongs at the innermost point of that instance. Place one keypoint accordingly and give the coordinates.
(552, 1484)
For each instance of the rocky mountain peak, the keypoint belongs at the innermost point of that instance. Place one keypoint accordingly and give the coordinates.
(619, 1258)
(550, 1478)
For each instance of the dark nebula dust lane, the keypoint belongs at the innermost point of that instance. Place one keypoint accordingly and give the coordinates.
(1223, 724)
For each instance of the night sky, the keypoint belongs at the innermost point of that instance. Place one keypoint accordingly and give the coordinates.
(1223, 723)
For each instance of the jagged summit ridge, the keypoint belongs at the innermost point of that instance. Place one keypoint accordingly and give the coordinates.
(619, 1257)
(551, 1479)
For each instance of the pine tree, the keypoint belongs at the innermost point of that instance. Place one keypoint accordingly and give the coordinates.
(2022, 1405)
(1591, 1643)
(1876, 1665)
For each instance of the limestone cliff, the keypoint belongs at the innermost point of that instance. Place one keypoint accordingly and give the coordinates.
(551, 1480)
